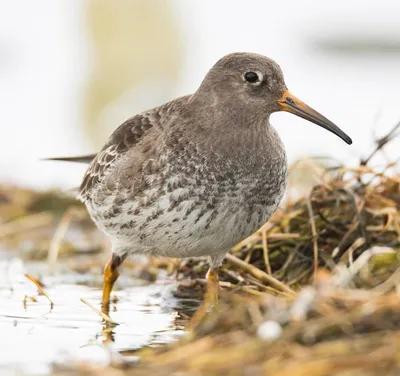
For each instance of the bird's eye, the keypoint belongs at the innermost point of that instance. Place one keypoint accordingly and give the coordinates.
(251, 77)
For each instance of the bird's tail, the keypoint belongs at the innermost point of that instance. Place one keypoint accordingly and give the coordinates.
(79, 159)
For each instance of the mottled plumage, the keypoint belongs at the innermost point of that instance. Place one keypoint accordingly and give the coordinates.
(194, 176)
(198, 174)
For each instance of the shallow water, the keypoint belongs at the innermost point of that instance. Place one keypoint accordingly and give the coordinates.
(36, 336)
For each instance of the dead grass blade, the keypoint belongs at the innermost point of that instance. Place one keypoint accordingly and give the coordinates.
(40, 288)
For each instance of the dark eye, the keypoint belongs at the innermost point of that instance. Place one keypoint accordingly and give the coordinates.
(251, 77)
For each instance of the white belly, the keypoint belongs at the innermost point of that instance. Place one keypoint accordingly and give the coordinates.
(182, 232)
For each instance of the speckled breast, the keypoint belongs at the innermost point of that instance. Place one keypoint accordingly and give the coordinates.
(190, 208)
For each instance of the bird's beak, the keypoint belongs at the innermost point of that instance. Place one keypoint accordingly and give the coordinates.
(290, 103)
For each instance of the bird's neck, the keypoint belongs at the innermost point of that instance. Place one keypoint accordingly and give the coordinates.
(229, 125)
(232, 136)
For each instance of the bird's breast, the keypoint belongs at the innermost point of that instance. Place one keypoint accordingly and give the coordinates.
(194, 205)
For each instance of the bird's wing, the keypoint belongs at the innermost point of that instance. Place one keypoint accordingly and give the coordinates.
(125, 136)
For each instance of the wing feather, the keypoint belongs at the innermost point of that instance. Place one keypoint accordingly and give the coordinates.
(126, 136)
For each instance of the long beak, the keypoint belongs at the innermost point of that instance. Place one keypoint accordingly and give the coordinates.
(290, 103)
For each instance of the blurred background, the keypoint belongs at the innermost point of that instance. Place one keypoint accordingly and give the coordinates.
(71, 71)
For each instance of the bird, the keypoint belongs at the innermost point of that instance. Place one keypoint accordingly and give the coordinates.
(195, 176)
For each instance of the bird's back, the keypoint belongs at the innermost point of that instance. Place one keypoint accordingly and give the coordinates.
(131, 134)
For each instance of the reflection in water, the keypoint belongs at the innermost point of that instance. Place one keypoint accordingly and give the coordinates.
(37, 337)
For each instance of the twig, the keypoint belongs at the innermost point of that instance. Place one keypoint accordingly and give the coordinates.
(259, 274)
(392, 281)
(105, 317)
(283, 236)
(267, 289)
(40, 288)
(265, 251)
(252, 291)
(254, 238)
(345, 239)
(380, 143)
(58, 237)
(345, 275)
(224, 284)
(348, 254)
(367, 170)
(294, 281)
(314, 237)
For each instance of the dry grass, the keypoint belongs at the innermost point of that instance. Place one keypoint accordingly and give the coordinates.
(325, 331)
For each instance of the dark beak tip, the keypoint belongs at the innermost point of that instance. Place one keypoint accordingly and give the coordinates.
(348, 140)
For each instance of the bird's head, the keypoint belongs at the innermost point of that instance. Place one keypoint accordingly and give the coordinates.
(255, 83)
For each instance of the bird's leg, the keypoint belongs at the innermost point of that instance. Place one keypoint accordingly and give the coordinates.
(110, 276)
(211, 295)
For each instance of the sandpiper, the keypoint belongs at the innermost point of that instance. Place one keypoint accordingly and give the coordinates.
(195, 176)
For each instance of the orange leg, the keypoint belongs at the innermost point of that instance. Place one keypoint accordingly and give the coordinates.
(210, 298)
(110, 276)
(212, 287)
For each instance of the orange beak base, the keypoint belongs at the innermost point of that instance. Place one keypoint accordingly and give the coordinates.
(291, 104)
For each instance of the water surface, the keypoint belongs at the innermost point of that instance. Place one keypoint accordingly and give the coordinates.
(35, 336)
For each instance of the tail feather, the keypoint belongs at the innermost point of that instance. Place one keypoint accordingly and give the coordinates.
(79, 159)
